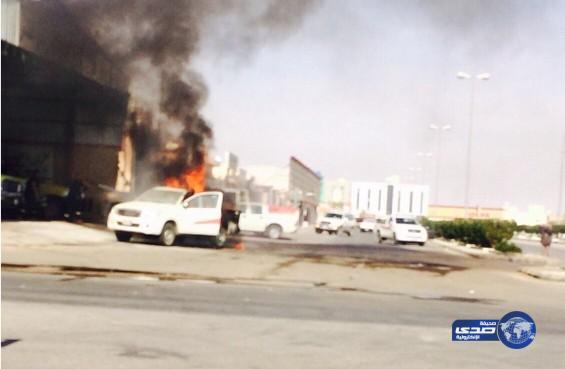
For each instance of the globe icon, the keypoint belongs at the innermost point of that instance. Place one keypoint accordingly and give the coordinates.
(516, 330)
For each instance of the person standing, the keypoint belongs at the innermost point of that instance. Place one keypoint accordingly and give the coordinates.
(546, 233)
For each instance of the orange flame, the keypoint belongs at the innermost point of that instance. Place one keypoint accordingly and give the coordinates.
(192, 179)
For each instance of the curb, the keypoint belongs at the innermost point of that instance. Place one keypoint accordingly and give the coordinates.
(470, 250)
(545, 273)
(84, 272)
(488, 253)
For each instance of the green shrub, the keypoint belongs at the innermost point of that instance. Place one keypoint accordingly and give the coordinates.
(557, 228)
(485, 233)
(506, 246)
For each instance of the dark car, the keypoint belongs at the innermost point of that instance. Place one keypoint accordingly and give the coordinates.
(12, 197)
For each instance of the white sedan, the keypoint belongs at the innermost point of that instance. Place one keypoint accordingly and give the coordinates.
(402, 229)
(368, 225)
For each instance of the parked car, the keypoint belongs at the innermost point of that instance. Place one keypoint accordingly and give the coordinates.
(12, 196)
(260, 218)
(368, 225)
(336, 222)
(168, 212)
(401, 229)
(39, 198)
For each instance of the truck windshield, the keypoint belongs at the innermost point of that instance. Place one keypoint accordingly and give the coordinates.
(405, 221)
(333, 215)
(160, 196)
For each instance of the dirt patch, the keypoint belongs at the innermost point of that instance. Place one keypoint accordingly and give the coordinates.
(439, 269)
(77, 272)
(457, 299)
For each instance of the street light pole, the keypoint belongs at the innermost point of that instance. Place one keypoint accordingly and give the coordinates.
(481, 77)
(560, 212)
(423, 155)
(439, 130)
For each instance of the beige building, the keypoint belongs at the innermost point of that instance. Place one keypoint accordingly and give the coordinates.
(293, 185)
(451, 212)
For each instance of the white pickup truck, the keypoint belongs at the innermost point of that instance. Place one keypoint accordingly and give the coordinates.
(401, 229)
(336, 222)
(168, 212)
(260, 219)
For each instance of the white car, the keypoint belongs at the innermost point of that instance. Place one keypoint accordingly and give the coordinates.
(258, 218)
(401, 229)
(168, 212)
(368, 225)
(336, 222)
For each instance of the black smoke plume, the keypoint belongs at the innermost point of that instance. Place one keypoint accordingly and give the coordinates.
(154, 43)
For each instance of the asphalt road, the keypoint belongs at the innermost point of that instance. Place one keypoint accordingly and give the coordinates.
(61, 322)
(365, 246)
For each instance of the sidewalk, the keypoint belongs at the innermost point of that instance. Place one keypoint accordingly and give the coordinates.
(74, 250)
(541, 267)
(552, 273)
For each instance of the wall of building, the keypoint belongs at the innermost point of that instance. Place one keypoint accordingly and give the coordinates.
(336, 194)
(304, 189)
(441, 212)
(293, 185)
(269, 175)
(381, 199)
(57, 117)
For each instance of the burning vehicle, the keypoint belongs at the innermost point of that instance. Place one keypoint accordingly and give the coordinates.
(167, 212)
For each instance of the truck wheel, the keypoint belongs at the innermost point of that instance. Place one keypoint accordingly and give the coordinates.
(273, 231)
(318, 230)
(168, 234)
(220, 239)
(421, 243)
(123, 236)
(394, 240)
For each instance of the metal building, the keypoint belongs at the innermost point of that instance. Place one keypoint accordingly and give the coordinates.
(64, 101)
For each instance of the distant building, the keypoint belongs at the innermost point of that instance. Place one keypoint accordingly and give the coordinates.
(336, 194)
(296, 185)
(451, 212)
(225, 174)
(382, 199)
(535, 215)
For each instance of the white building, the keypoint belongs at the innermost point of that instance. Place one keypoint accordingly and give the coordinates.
(381, 199)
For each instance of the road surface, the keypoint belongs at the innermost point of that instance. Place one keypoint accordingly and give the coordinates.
(60, 322)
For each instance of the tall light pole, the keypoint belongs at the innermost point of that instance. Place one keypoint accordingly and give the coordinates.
(414, 170)
(480, 77)
(560, 212)
(438, 130)
(423, 156)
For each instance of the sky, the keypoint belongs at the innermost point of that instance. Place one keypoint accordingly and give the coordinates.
(352, 91)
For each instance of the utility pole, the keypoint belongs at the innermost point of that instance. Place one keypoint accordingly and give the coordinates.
(481, 77)
(439, 130)
(561, 175)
